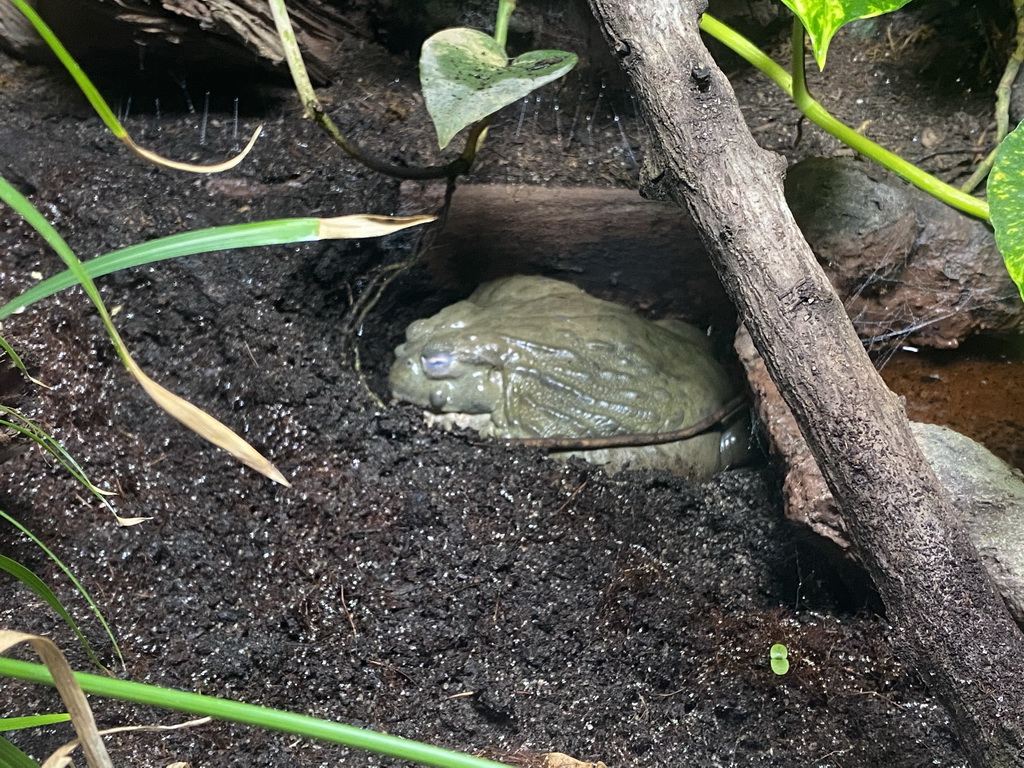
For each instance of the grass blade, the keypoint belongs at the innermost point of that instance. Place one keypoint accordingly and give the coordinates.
(37, 585)
(204, 425)
(12, 757)
(32, 721)
(70, 691)
(78, 586)
(45, 440)
(274, 232)
(16, 361)
(200, 422)
(104, 111)
(250, 714)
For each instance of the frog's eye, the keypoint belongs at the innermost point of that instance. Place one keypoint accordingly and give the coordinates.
(437, 364)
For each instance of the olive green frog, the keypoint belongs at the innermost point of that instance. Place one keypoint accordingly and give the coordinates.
(532, 357)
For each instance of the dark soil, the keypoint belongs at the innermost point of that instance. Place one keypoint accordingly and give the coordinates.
(421, 583)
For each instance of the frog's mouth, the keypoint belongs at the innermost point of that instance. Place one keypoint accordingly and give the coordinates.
(475, 393)
(444, 384)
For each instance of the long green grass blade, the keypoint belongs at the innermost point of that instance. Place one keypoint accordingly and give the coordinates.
(81, 590)
(47, 442)
(12, 757)
(38, 222)
(37, 585)
(32, 721)
(85, 85)
(249, 714)
(192, 417)
(276, 232)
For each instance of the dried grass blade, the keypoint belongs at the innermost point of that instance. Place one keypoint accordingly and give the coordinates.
(62, 755)
(70, 693)
(367, 225)
(177, 165)
(103, 109)
(203, 424)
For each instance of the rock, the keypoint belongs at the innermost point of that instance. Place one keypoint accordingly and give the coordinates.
(988, 492)
(610, 242)
(908, 267)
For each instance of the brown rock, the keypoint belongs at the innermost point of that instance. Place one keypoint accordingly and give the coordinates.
(908, 267)
(988, 493)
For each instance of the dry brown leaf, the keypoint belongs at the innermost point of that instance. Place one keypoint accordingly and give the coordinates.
(128, 522)
(367, 225)
(560, 760)
(204, 425)
(215, 168)
(70, 693)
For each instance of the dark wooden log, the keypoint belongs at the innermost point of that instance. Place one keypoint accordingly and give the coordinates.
(229, 32)
(609, 242)
(948, 618)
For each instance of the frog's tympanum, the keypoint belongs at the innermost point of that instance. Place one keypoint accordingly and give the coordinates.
(527, 357)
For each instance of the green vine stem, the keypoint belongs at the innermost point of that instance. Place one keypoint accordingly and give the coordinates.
(314, 110)
(1003, 92)
(505, 10)
(795, 86)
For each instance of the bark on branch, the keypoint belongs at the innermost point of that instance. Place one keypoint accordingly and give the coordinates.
(948, 618)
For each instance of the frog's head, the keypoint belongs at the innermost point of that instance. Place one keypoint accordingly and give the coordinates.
(447, 369)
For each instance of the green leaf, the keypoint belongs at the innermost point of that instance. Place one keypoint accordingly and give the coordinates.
(466, 76)
(37, 585)
(1006, 203)
(780, 659)
(273, 232)
(32, 721)
(12, 757)
(823, 18)
(55, 603)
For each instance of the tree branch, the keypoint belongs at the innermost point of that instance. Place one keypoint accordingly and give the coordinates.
(949, 620)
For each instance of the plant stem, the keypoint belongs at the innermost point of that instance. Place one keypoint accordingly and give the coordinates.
(740, 45)
(505, 10)
(1003, 92)
(293, 56)
(1005, 86)
(795, 87)
(314, 110)
(250, 714)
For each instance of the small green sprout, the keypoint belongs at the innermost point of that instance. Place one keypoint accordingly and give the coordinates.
(780, 659)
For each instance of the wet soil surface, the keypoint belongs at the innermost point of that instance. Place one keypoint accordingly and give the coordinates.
(975, 391)
(421, 583)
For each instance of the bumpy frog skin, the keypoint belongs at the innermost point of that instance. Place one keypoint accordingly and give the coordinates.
(528, 356)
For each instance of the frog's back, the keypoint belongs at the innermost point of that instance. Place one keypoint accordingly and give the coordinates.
(581, 366)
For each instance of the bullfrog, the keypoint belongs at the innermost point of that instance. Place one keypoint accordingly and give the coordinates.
(532, 357)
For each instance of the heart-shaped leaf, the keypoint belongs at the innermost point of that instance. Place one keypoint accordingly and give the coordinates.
(1006, 203)
(823, 18)
(466, 75)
